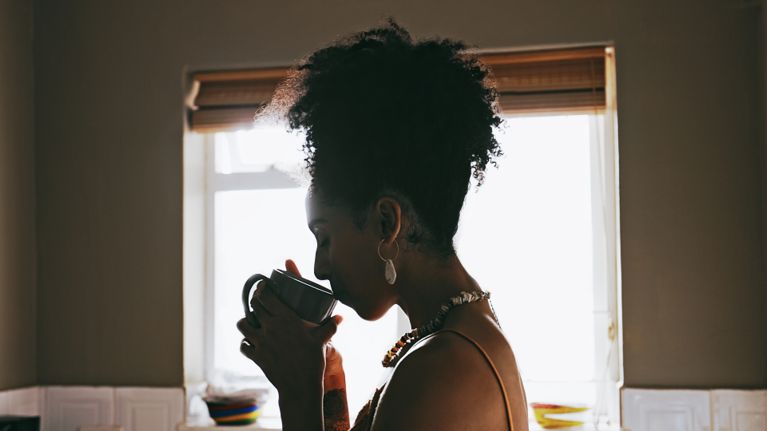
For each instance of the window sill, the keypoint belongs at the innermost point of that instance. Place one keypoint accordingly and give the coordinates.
(533, 426)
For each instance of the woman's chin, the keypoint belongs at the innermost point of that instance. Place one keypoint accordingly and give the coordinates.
(369, 314)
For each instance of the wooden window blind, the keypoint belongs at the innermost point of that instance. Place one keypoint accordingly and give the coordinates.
(549, 81)
(228, 100)
(562, 80)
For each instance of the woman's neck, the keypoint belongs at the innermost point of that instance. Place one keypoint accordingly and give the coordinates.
(426, 283)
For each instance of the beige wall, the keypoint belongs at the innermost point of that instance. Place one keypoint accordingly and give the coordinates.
(109, 116)
(17, 198)
(763, 65)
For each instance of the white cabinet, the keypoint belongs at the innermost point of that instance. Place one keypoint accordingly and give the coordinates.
(68, 408)
(77, 408)
(739, 410)
(22, 402)
(694, 410)
(143, 409)
(666, 410)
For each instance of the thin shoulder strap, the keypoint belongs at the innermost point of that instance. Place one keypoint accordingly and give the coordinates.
(495, 371)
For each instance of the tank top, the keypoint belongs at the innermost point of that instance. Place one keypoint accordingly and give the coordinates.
(364, 420)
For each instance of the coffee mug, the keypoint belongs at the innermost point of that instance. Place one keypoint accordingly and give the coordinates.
(310, 301)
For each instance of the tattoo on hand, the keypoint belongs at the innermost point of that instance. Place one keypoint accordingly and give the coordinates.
(336, 410)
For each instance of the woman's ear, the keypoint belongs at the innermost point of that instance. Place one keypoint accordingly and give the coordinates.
(388, 216)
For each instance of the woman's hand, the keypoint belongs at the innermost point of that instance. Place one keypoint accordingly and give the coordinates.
(290, 351)
(334, 405)
(334, 376)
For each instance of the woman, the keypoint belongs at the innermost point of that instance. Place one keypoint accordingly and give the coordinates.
(395, 129)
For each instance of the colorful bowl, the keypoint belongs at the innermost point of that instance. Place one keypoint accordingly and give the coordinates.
(234, 412)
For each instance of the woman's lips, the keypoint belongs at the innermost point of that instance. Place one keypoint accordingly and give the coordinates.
(340, 296)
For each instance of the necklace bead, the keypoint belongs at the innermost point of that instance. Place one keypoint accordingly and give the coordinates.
(409, 338)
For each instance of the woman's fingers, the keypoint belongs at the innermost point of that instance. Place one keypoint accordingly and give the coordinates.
(291, 267)
(248, 331)
(246, 328)
(328, 328)
(272, 303)
(262, 312)
(248, 349)
(248, 344)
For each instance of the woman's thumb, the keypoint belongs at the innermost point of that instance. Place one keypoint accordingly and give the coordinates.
(291, 266)
(329, 328)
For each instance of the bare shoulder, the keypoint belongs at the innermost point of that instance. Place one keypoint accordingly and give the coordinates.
(442, 383)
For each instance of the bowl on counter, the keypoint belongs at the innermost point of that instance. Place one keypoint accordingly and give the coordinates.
(229, 412)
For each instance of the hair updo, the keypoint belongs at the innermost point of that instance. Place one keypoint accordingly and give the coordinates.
(385, 115)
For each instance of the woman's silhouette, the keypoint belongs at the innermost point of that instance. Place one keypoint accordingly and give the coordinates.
(395, 129)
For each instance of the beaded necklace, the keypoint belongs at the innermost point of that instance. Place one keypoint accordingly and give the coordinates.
(409, 338)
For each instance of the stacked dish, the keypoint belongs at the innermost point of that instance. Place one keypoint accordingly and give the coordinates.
(232, 411)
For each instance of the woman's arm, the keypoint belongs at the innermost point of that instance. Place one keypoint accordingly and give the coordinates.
(334, 405)
(307, 410)
(335, 409)
(302, 411)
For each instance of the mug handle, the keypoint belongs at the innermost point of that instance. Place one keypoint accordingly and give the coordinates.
(246, 297)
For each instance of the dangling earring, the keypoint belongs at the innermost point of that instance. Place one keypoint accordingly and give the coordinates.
(389, 272)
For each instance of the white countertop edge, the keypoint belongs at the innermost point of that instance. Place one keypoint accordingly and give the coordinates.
(253, 427)
(262, 424)
(275, 427)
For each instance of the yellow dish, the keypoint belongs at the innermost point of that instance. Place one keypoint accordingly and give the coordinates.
(542, 412)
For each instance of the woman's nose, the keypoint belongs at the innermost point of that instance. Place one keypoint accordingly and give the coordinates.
(321, 267)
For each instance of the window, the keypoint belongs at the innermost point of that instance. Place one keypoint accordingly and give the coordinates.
(534, 235)
(540, 234)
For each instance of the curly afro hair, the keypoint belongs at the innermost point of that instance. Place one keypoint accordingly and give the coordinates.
(385, 115)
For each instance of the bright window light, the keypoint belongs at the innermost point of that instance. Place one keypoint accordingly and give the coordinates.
(277, 148)
(527, 235)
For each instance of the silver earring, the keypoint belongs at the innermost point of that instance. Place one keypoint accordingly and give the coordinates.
(390, 274)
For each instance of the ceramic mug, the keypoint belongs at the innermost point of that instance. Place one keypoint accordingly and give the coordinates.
(310, 301)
